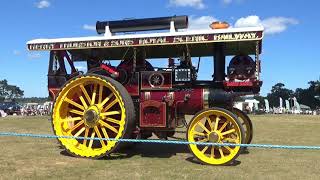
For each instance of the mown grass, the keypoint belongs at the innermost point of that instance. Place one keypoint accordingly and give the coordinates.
(28, 158)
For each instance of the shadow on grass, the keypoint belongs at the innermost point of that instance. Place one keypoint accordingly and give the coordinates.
(143, 150)
(245, 151)
(196, 161)
(159, 150)
(152, 151)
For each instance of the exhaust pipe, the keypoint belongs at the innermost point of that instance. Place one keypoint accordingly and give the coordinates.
(146, 24)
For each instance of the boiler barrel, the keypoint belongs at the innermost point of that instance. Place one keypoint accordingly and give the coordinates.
(160, 23)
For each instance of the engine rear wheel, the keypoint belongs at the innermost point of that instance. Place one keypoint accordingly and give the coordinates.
(224, 127)
(96, 107)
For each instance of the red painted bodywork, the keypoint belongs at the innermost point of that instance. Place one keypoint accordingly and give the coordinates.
(114, 73)
(53, 92)
(133, 86)
(188, 101)
(153, 114)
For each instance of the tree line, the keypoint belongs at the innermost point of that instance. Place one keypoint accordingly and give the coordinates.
(14, 93)
(308, 96)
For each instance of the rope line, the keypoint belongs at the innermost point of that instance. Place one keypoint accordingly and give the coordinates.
(156, 141)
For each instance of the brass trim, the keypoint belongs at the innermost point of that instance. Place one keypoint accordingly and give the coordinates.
(205, 98)
(147, 96)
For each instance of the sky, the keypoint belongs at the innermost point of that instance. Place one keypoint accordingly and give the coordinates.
(290, 46)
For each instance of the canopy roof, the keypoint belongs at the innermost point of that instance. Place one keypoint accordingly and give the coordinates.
(157, 45)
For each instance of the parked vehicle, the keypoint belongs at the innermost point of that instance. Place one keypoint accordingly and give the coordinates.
(10, 108)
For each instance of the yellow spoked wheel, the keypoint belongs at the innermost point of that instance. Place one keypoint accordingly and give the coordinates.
(92, 106)
(222, 127)
(246, 123)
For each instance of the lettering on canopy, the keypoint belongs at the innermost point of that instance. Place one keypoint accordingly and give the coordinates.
(167, 40)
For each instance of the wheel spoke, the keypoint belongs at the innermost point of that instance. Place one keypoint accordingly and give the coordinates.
(210, 123)
(75, 126)
(108, 126)
(216, 123)
(223, 126)
(221, 152)
(99, 135)
(94, 94)
(231, 140)
(228, 132)
(113, 120)
(203, 127)
(106, 100)
(73, 103)
(71, 119)
(83, 102)
(204, 149)
(228, 148)
(111, 104)
(203, 140)
(100, 93)
(104, 131)
(85, 136)
(212, 152)
(83, 89)
(110, 113)
(79, 132)
(91, 140)
(198, 133)
(76, 112)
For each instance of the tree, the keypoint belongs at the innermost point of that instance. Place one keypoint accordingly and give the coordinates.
(317, 88)
(277, 91)
(307, 96)
(3, 87)
(8, 91)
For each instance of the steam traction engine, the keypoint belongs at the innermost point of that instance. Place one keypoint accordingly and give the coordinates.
(134, 99)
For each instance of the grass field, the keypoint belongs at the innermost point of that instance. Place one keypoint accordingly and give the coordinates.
(27, 158)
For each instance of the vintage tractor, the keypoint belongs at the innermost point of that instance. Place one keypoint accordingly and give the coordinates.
(134, 99)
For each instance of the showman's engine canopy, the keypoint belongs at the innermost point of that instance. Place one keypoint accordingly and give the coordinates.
(121, 94)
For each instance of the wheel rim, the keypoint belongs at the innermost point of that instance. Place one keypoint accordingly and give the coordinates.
(223, 128)
(89, 106)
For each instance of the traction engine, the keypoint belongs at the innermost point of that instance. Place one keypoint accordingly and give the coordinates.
(134, 99)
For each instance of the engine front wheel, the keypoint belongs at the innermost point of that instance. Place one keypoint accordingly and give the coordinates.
(92, 106)
(223, 127)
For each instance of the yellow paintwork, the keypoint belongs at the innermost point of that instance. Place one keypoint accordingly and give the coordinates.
(223, 128)
(70, 121)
